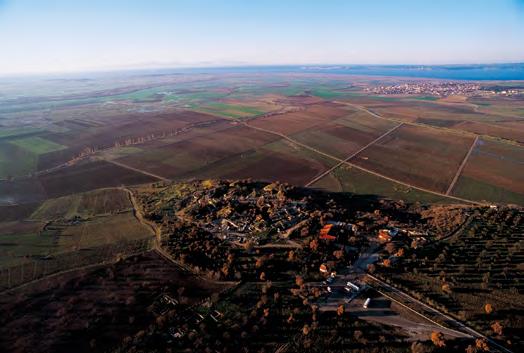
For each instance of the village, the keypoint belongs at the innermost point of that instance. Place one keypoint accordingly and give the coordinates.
(444, 89)
(237, 220)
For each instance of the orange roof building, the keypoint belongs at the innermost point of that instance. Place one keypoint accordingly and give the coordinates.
(324, 233)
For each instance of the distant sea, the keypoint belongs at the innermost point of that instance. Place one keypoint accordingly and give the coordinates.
(448, 72)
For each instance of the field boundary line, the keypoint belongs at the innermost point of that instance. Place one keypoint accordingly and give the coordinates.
(362, 168)
(112, 260)
(136, 170)
(461, 167)
(439, 128)
(317, 178)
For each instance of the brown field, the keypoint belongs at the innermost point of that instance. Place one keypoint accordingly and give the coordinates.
(100, 136)
(93, 309)
(411, 111)
(16, 212)
(508, 130)
(89, 176)
(346, 135)
(419, 156)
(21, 191)
(311, 116)
(180, 158)
(22, 227)
(279, 160)
(494, 171)
(298, 100)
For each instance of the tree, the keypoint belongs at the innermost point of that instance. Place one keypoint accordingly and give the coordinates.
(339, 254)
(438, 339)
(371, 268)
(340, 310)
(299, 281)
(248, 245)
(305, 330)
(482, 344)
(421, 347)
(391, 248)
(488, 308)
(291, 256)
(471, 349)
(260, 262)
(497, 328)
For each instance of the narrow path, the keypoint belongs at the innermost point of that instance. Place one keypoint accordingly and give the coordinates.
(449, 130)
(461, 167)
(359, 167)
(137, 212)
(137, 170)
(317, 178)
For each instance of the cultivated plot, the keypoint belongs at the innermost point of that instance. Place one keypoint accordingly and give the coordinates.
(303, 119)
(423, 157)
(346, 135)
(495, 172)
(178, 159)
(355, 181)
(277, 161)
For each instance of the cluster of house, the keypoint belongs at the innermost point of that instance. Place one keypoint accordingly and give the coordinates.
(386, 235)
(266, 219)
(439, 89)
(338, 231)
(163, 303)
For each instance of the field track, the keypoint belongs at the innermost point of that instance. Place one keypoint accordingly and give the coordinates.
(461, 167)
(342, 161)
(137, 170)
(317, 178)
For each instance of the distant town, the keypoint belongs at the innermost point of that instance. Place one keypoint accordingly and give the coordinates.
(445, 89)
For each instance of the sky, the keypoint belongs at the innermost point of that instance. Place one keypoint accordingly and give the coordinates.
(39, 36)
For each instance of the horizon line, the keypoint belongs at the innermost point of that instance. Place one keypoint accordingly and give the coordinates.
(137, 68)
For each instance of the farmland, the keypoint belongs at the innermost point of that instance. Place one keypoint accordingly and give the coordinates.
(477, 266)
(290, 127)
(495, 172)
(95, 309)
(70, 223)
(420, 156)
(358, 182)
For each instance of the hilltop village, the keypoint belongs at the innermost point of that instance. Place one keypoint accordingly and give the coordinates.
(204, 224)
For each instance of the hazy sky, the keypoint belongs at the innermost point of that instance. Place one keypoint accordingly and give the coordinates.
(70, 35)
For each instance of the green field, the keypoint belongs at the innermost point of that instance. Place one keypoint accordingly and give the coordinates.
(37, 145)
(230, 110)
(13, 132)
(356, 181)
(15, 161)
(473, 189)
